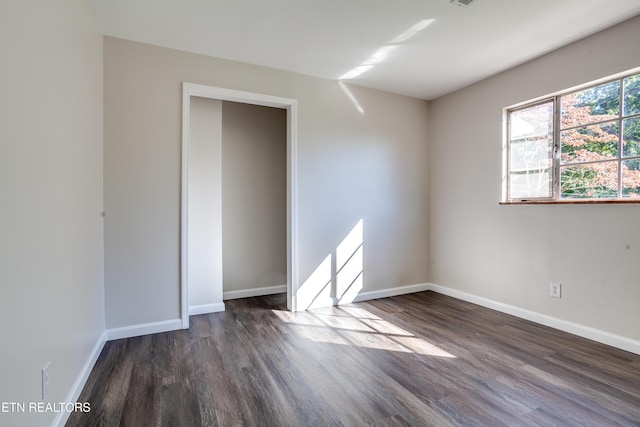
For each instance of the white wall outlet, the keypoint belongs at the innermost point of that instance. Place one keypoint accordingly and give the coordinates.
(45, 380)
(555, 289)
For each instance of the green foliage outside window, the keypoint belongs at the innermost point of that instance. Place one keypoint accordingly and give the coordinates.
(599, 142)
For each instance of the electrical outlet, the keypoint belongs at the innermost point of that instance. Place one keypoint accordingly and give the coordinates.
(555, 289)
(45, 380)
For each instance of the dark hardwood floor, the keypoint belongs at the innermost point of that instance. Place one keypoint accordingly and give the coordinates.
(415, 360)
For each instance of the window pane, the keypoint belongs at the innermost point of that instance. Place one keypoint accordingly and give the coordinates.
(531, 151)
(591, 105)
(632, 95)
(532, 123)
(590, 143)
(631, 178)
(631, 137)
(530, 185)
(592, 181)
(528, 154)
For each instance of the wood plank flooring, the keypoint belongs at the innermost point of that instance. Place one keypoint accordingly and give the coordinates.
(422, 359)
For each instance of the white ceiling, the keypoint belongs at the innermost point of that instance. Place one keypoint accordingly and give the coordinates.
(420, 48)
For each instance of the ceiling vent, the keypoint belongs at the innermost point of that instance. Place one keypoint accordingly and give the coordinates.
(462, 3)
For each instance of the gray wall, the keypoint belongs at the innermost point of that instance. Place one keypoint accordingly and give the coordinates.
(352, 165)
(510, 253)
(51, 243)
(254, 196)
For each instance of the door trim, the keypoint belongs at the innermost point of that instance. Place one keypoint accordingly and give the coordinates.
(223, 94)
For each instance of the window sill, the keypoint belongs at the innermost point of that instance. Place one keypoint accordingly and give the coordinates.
(573, 202)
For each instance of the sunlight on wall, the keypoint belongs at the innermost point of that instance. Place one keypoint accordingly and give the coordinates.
(351, 97)
(354, 326)
(339, 277)
(316, 290)
(349, 265)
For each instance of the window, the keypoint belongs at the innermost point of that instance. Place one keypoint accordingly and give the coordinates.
(582, 145)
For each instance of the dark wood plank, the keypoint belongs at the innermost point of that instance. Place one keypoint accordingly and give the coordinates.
(422, 359)
(107, 384)
(143, 398)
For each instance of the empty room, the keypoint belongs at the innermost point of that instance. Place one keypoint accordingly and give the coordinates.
(320, 213)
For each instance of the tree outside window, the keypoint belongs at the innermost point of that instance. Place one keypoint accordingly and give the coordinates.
(588, 149)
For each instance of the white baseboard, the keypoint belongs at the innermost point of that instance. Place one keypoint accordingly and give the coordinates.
(143, 329)
(205, 308)
(392, 292)
(588, 332)
(81, 380)
(255, 292)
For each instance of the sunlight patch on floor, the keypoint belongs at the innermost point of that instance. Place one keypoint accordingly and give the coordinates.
(354, 326)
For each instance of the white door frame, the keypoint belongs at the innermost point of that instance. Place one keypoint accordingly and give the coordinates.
(291, 105)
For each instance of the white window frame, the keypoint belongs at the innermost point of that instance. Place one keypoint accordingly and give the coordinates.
(556, 153)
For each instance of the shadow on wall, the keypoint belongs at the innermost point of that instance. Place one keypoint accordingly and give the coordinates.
(339, 277)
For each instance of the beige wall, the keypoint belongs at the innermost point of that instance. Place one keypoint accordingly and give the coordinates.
(254, 196)
(351, 166)
(51, 244)
(205, 213)
(510, 253)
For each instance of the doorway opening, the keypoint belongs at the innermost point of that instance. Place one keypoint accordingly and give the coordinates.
(189, 251)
